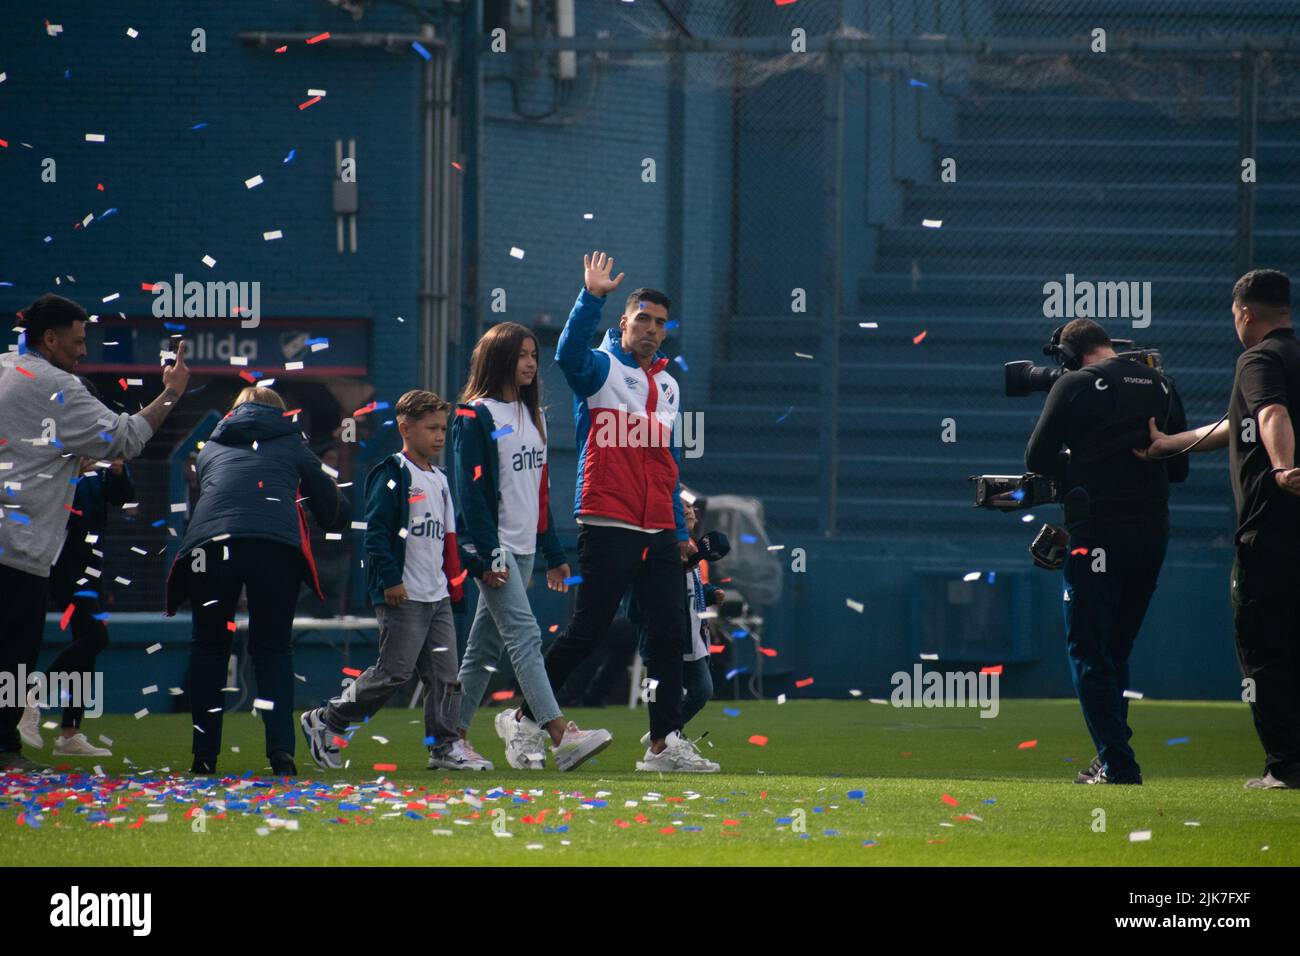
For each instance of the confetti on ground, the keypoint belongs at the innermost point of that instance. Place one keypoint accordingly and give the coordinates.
(949, 799)
(758, 740)
(1139, 836)
(1174, 741)
(1027, 744)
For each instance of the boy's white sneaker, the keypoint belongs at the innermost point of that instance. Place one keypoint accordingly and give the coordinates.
(577, 746)
(29, 727)
(459, 756)
(320, 740)
(678, 756)
(525, 741)
(645, 739)
(78, 746)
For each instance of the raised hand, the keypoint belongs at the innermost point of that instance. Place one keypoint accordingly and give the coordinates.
(596, 270)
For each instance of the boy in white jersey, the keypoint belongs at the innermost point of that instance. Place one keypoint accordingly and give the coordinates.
(414, 576)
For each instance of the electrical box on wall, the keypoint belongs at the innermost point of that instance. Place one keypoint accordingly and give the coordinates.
(986, 621)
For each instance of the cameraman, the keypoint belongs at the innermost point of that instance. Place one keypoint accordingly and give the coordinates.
(1117, 513)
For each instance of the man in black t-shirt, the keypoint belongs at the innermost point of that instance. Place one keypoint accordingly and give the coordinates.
(1260, 435)
(1117, 512)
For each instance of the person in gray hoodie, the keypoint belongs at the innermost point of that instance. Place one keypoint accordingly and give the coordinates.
(48, 421)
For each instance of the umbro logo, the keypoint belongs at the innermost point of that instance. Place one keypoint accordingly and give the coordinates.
(631, 382)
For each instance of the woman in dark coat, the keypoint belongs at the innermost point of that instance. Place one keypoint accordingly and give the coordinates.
(249, 531)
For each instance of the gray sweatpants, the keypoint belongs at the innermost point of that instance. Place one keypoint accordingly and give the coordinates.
(416, 637)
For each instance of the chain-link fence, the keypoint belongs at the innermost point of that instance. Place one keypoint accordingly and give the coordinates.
(883, 200)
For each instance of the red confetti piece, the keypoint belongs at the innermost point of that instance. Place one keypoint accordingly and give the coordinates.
(248, 377)
(478, 472)
(667, 830)
(1079, 551)
(949, 799)
(281, 49)
(758, 740)
(67, 616)
(292, 412)
(644, 553)
(4, 143)
(230, 626)
(731, 823)
(314, 99)
(767, 651)
(1027, 744)
(917, 339)
(100, 187)
(317, 38)
(351, 672)
(24, 371)
(387, 767)
(905, 753)
(995, 669)
(146, 286)
(803, 683)
(418, 497)
(364, 410)
(339, 741)
(73, 510)
(122, 382)
(717, 648)
(502, 694)
(458, 167)
(553, 628)
(460, 578)
(785, 3)
(466, 413)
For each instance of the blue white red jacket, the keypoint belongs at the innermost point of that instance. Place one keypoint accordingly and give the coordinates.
(635, 480)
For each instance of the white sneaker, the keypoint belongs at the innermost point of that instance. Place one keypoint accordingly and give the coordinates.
(577, 746)
(525, 741)
(645, 739)
(320, 740)
(459, 756)
(78, 746)
(29, 727)
(678, 756)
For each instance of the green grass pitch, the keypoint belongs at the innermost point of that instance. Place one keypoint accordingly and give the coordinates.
(941, 787)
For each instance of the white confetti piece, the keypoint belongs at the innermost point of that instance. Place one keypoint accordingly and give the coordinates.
(332, 472)
(151, 689)
(358, 526)
(317, 346)
(1139, 836)
(132, 32)
(135, 381)
(94, 137)
(780, 698)
(929, 657)
(239, 360)
(971, 576)
(125, 582)
(273, 234)
(876, 700)
(516, 252)
(868, 325)
(261, 703)
(802, 355)
(175, 691)
(382, 740)
(932, 223)
(292, 366)
(253, 182)
(91, 538)
(333, 536)
(209, 261)
(142, 712)
(106, 741)
(855, 693)
(1133, 694)
(315, 92)
(855, 605)
(110, 298)
(179, 507)
(140, 551)
(1191, 823)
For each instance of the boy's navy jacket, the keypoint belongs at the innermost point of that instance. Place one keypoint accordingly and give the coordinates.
(95, 493)
(248, 492)
(478, 499)
(388, 512)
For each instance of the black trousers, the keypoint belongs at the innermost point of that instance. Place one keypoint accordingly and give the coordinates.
(1103, 614)
(89, 636)
(612, 561)
(1266, 625)
(22, 619)
(270, 573)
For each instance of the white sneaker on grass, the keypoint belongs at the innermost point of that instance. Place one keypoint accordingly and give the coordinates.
(29, 727)
(458, 756)
(678, 756)
(78, 746)
(320, 740)
(577, 746)
(525, 741)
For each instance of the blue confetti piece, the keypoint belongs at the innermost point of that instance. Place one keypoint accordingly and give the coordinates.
(107, 436)
(503, 431)
(818, 809)
(348, 806)
(830, 833)
(413, 815)
(857, 794)
(573, 579)
(682, 362)
(731, 712)
(289, 159)
(692, 829)
(784, 820)
(49, 238)
(920, 83)
(736, 671)
(9, 285)
(198, 126)
(598, 804)
(739, 632)
(318, 341)
(418, 47)
(67, 74)
(160, 522)
(870, 843)
(430, 741)
(672, 324)
(101, 616)
(1018, 495)
(22, 336)
(174, 326)
(990, 800)
(59, 397)
(748, 539)
(18, 516)
(1172, 741)
(786, 415)
(108, 212)
(380, 406)
(85, 594)
(992, 576)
